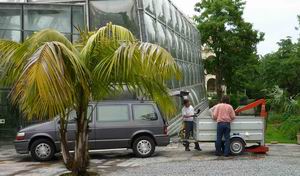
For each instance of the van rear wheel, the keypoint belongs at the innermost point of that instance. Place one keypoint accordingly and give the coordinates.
(42, 150)
(143, 146)
(237, 146)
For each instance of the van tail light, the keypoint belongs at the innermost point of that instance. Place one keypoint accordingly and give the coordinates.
(20, 136)
(165, 129)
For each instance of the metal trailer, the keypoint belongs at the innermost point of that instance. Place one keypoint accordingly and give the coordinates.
(245, 130)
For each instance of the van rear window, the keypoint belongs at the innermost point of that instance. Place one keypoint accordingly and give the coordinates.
(144, 112)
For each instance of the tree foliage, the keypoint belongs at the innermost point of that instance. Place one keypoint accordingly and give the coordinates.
(232, 39)
(282, 67)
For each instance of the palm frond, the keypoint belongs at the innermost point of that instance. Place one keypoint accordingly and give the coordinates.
(47, 85)
(107, 38)
(7, 49)
(26, 50)
(141, 66)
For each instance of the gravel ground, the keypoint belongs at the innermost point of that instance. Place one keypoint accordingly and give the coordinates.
(216, 168)
(282, 160)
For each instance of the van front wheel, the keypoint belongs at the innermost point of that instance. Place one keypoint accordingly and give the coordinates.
(143, 147)
(42, 150)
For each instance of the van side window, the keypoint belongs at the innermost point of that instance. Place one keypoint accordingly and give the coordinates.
(112, 113)
(72, 115)
(144, 112)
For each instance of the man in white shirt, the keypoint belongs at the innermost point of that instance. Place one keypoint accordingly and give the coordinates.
(188, 114)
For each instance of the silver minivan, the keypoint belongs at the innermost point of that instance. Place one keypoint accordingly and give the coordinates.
(137, 125)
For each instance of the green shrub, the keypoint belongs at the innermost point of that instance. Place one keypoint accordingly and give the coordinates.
(275, 118)
(281, 102)
(234, 100)
(291, 126)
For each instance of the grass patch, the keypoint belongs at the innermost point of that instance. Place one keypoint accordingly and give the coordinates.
(274, 133)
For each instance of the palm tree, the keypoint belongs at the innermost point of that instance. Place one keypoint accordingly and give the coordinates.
(50, 76)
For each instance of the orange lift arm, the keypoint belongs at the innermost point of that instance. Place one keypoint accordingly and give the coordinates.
(262, 102)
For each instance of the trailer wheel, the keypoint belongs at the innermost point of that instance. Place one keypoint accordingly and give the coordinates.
(237, 146)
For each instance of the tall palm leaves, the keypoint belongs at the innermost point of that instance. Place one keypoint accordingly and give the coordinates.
(47, 85)
(44, 73)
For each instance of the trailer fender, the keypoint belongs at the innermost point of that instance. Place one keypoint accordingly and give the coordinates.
(234, 136)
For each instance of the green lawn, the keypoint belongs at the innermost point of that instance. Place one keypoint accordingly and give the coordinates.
(274, 134)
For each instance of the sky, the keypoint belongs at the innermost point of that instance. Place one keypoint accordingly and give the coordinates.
(276, 18)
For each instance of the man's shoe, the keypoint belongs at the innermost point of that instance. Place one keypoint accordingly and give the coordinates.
(198, 148)
(187, 149)
(226, 155)
(218, 154)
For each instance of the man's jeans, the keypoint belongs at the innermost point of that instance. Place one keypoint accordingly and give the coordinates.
(223, 129)
(189, 130)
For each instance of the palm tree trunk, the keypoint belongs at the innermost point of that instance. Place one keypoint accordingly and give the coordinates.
(64, 145)
(81, 157)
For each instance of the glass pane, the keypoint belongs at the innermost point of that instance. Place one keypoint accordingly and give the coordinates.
(187, 31)
(195, 96)
(173, 24)
(188, 49)
(169, 40)
(191, 74)
(27, 34)
(179, 21)
(161, 38)
(75, 38)
(112, 113)
(183, 28)
(119, 12)
(150, 26)
(184, 51)
(176, 20)
(192, 53)
(184, 72)
(179, 50)
(10, 35)
(149, 7)
(37, 17)
(77, 18)
(168, 16)
(144, 112)
(10, 16)
(175, 45)
(177, 82)
(160, 9)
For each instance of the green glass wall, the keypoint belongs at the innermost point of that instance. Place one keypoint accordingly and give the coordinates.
(19, 20)
(159, 21)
